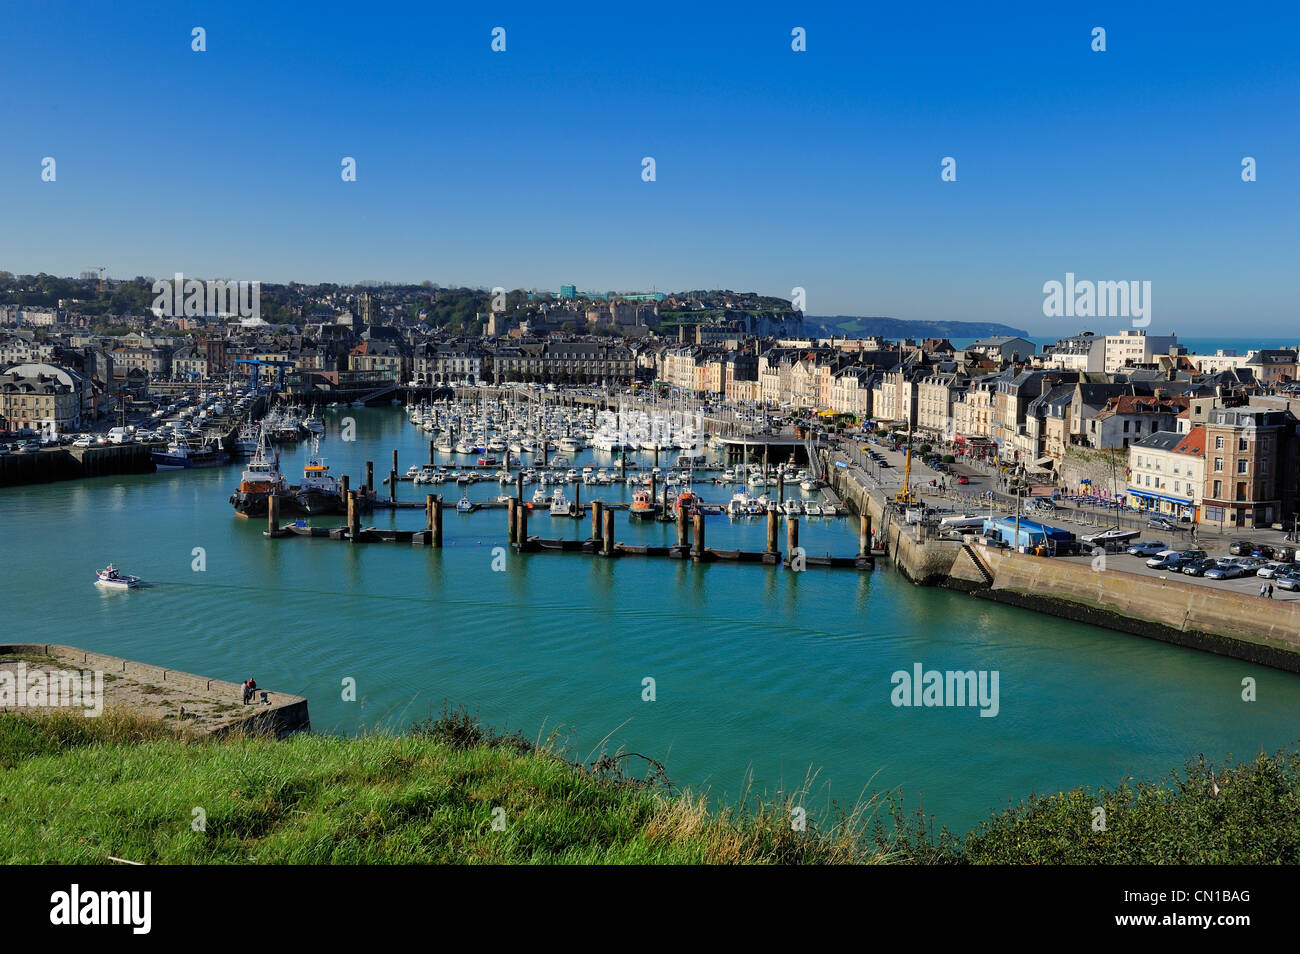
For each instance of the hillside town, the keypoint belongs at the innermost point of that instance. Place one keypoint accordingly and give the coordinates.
(1123, 414)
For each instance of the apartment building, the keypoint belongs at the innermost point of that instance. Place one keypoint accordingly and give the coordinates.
(1128, 418)
(38, 403)
(1166, 473)
(1244, 452)
(1134, 346)
(935, 396)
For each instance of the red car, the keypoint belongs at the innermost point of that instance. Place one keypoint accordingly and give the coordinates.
(963, 479)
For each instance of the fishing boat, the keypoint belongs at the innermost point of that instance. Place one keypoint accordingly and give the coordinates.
(261, 479)
(246, 442)
(111, 578)
(643, 506)
(686, 503)
(181, 455)
(320, 491)
(463, 505)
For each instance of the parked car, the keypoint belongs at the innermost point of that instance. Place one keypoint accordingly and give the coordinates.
(1225, 570)
(1198, 567)
(1288, 580)
(1165, 560)
(1148, 548)
(1280, 552)
(1271, 569)
(1241, 548)
(83, 441)
(1161, 523)
(1250, 564)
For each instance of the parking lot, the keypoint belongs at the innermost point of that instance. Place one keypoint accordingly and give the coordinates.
(948, 496)
(1247, 585)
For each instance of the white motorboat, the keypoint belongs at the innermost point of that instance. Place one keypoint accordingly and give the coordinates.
(813, 509)
(111, 578)
(559, 503)
(539, 497)
(463, 505)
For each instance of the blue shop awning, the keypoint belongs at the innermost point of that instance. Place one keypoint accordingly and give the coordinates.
(1173, 500)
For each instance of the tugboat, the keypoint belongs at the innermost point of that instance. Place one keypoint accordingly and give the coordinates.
(319, 491)
(111, 578)
(259, 481)
(643, 506)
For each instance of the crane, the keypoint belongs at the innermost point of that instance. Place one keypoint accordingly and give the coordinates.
(258, 365)
(101, 269)
(906, 496)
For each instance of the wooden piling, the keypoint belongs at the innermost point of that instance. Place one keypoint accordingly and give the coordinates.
(791, 535)
(370, 476)
(597, 507)
(394, 458)
(681, 527)
(272, 514)
(521, 525)
(864, 534)
(771, 531)
(435, 507)
(354, 516)
(698, 553)
(622, 463)
(780, 488)
(428, 517)
(511, 512)
(343, 488)
(392, 486)
(609, 533)
(431, 449)
(577, 500)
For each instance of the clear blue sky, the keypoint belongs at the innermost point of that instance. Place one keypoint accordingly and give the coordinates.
(774, 168)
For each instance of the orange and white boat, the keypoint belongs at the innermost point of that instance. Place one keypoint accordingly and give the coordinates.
(643, 506)
(261, 479)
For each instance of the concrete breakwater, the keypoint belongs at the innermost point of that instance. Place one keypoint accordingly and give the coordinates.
(70, 463)
(211, 707)
(1232, 624)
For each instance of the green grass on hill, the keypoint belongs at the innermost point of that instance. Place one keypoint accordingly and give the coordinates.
(79, 791)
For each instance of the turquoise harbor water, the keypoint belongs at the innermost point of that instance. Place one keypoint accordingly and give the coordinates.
(758, 671)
